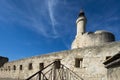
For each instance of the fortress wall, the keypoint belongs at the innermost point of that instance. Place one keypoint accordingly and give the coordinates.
(91, 67)
(113, 67)
(25, 73)
(92, 39)
(114, 73)
(93, 58)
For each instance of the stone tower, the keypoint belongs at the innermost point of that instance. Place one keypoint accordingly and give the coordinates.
(81, 23)
(87, 39)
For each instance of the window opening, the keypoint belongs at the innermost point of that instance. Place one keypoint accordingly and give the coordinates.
(14, 67)
(78, 62)
(30, 66)
(41, 66)
(21, 67)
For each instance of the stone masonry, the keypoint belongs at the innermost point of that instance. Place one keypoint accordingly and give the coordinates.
(92, 67)
(90, 57)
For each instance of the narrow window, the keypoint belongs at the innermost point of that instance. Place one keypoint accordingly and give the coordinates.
(21, 68)
(30, 66)
(1, 69)
(57, 64)
(14, 67)
(41, 66)
(107, 57)
(78, 62)
(9, 68)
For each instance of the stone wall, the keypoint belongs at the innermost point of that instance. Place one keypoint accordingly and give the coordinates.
(113, 73)
(113, 67)
(91, 67)
(92, 39)
(8, 69)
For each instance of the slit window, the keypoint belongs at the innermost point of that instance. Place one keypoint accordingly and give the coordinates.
(78, 62)
(14, 67)
(41, 66)
(30, 66)
(9, 68)
(21, 68)
(57, 64)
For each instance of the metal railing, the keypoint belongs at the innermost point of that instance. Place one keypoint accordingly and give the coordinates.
(55, 71)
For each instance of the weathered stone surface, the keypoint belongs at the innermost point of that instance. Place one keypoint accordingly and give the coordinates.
(92, 67)
(88, 39)
(92, 39)
(113, 67)
(91, 49)
(9, 79)
(114, 73)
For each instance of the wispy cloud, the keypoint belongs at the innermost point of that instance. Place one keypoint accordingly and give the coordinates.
(52, 4)
(35, 17)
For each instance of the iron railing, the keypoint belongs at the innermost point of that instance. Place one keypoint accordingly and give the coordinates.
(55, 71)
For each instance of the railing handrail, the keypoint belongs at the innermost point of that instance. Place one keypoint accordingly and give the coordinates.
(39, 71)
(72, 72)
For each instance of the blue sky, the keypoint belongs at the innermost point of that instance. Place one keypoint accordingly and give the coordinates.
(35, 27)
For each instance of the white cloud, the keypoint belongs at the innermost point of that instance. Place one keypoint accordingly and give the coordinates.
(33, 15)
(38, 16)
(52, 4)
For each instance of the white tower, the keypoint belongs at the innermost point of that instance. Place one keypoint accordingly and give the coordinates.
(81, 23)
(87, 39)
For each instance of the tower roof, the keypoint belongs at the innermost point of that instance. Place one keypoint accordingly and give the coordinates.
(81, 13)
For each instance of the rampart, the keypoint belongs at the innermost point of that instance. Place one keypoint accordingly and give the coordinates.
(90, 67)
(89, 39)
